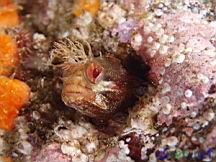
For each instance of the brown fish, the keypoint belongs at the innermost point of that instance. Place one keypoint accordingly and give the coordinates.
(94, 86)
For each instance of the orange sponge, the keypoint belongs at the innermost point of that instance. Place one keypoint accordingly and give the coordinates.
(13, 95)
(5, 159)
(8, 14)
(4, 3)
(92, 6)
(9, 57)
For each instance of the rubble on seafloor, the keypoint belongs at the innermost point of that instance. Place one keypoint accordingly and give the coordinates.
(168, 45)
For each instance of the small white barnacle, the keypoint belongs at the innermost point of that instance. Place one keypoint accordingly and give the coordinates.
(136, 41)
(188, 93)
(164, 38)
(178, 58)
(156, 46)
(168, 62)
(150, 39)
(167, 109)
(163, 50)
(151, 52)
(213, 63)
(184, 105)
(203, 78)
(166, 88)
(171, 39)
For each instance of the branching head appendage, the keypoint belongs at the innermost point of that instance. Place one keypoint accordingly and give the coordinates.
(70, 51)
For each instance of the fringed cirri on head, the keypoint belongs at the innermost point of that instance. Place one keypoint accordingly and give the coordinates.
(70, 51)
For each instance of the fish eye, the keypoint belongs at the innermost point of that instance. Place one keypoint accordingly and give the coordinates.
(94, 72)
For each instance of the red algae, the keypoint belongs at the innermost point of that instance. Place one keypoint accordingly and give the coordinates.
(13, 95)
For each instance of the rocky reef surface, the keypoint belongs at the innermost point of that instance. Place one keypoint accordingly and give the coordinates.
(167, 46)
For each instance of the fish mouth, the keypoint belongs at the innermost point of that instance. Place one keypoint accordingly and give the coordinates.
(77, 93)
(72, 94)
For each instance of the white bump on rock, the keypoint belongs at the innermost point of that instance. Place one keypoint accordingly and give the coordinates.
(181, 47)
(213, 24)
(136, 41)
(158, 12)
(166, 88)
(189, 50)
(159, 32)
(213, 63)
(79, 132)
(25, 148)
(171, 39)
(163, 50)
(109, 15)
(68, 149)
(164, 38)
(39, 37)
(167, 109)
(183, 105)
(151, 52)
(188, 93)
(209, 115)
(211, 53)
(91, 147)
(205, 123)
(172, 141)
(158, 26)
(168, 62)
(193, 114)
(178, 58)
(36, 115)
(160, 81)
(161, 5)
(156, 46)
(203, 78)
(147, 29)
(150, 39)
(128, 139)
(165, 99)
(162, 71)
(151, 25)
(124, 147)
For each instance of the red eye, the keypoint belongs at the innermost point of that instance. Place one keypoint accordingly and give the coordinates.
(93, 72)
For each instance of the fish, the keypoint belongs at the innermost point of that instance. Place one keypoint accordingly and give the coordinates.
(95, 86)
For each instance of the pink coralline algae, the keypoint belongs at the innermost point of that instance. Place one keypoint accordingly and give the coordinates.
(137, 5)
(110, 152)
(51, 153)
(125, 30)
(182, 58)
